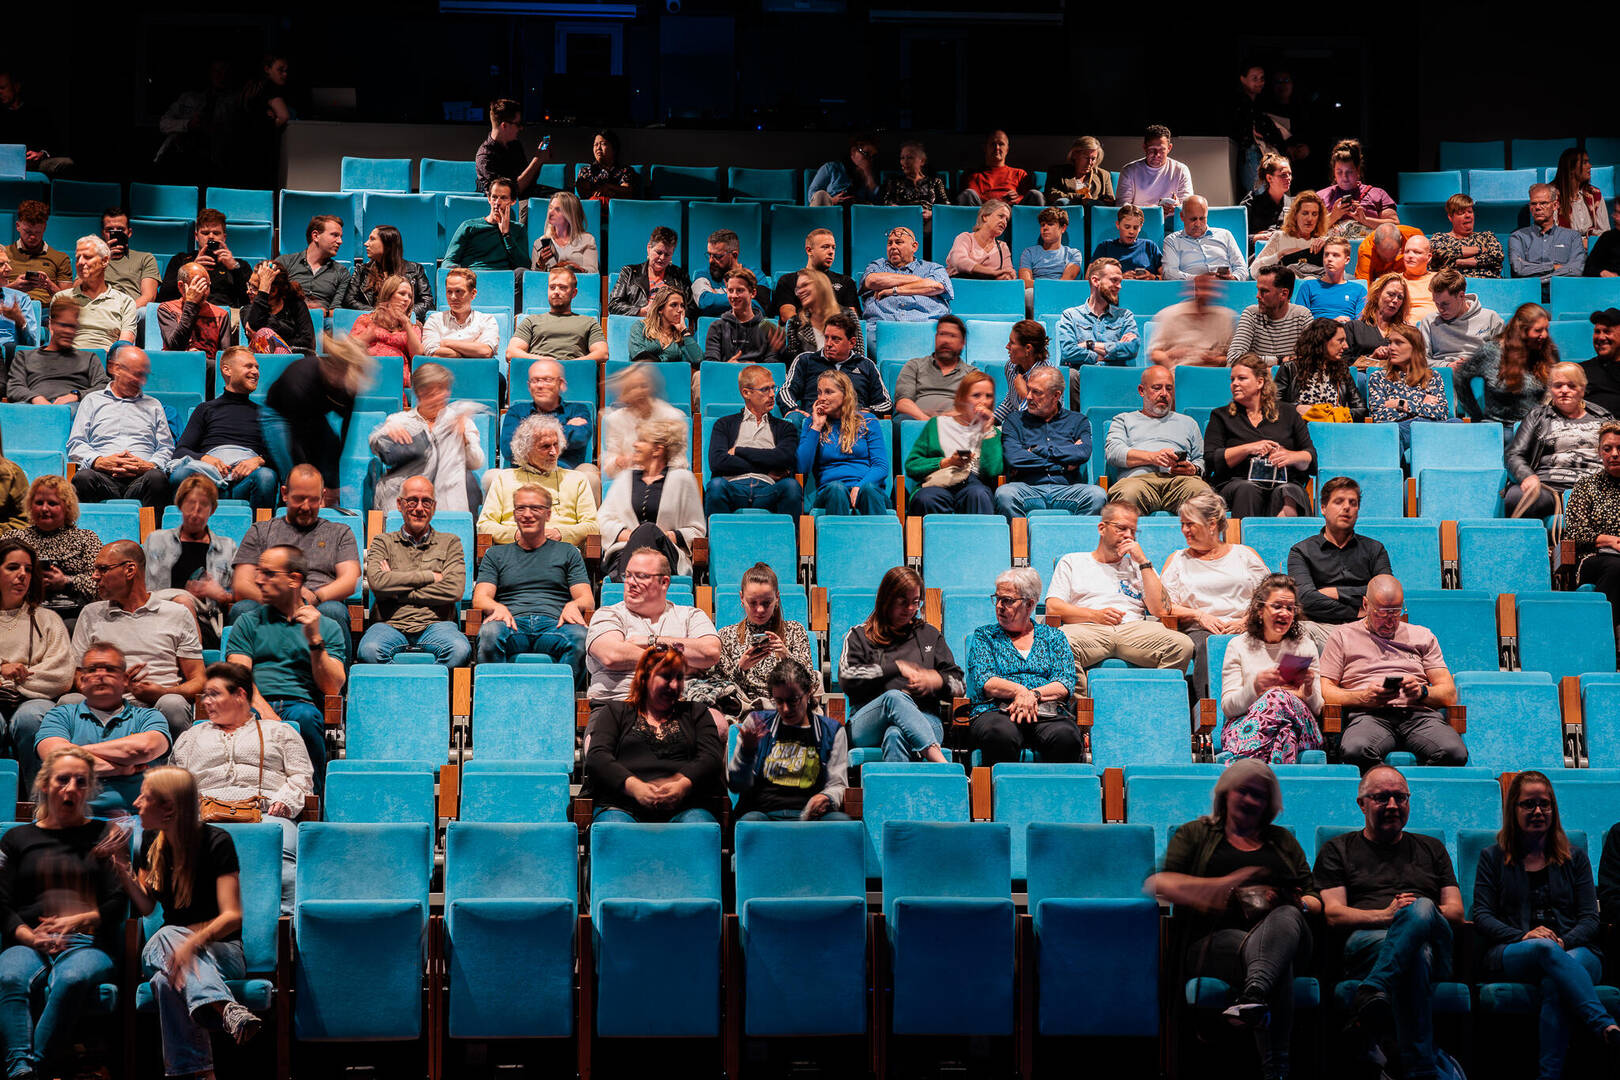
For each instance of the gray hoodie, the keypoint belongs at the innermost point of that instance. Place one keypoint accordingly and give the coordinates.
(1451, 340)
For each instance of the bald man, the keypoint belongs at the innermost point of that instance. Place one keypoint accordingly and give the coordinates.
(902, 287)
(1392, 681)
(416, 575)
(1380, 250)
(191, 322)
(1156, 453)
(121, 439)
(1415, 255)
(1198, 249)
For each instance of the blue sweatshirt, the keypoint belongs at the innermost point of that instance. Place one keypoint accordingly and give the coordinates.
(866, 463)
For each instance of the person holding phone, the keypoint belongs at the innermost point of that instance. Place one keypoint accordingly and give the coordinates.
(227, 276)
(1270, 694)
(790, 763)
(752, 649)
(502, 153)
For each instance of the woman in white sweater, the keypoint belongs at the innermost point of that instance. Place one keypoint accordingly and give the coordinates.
(653, 503)
(1208, 583)
(1270, 694)
(36, 657)
(639, 388)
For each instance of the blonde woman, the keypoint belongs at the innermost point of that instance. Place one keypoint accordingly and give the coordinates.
(1388, 306)
(387, 330)
(1556, 445)
(817, 303)
(1298, 244)
(1207, 584)
(841, 452)
(639, 390)
(980, 252)
(565, 241)
(665, 335)
(654, 504)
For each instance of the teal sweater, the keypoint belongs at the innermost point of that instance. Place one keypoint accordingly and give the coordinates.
(478, 245)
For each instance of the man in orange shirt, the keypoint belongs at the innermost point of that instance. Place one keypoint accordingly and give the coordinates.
(1380, 252)
(998, 180)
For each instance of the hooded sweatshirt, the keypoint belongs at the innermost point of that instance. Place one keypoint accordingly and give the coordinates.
(1451, 340)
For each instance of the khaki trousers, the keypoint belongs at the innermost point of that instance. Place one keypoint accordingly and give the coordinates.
(1150, 493)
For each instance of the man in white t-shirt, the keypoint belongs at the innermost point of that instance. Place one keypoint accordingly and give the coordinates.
(620, 633)
(1106, 597)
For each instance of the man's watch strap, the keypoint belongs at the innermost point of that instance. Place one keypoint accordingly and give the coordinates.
(318, 646)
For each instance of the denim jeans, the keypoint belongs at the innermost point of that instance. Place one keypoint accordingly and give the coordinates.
(1016, 500)
(23, 729)
(893, 721)
(186, 1047)
(1565, 979)
(724, 496)
(790, 815)
(258, 487)
(969, 497)
(1260, 964)
(62, 984)
(1404, 962)
(499, 643)
(681, 817)
(832, 498)
(444, 640)
(310, 720)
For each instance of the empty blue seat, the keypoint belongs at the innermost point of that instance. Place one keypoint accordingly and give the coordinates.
(1139, 717)
(1505, 556)
(375, 174)
(908, 791)
(1165, 802)
(436, 176)
(380, 696)
(244, 206)
(452, 210)
(974, 298)
(717, 384)
(1600, 708)
(172, 202)
(415, 216)
(846, 607)
(1538, 153)
(112, 520)
(84, 197)
(1578, 297)
(789, 225)
(1501, 185)
(13, 161)
(1413, 545)
(1564, 633)
(1145, 299)
(738, 541)
(1310, 800)
(856, 551)
(1109, 387)
(901, 340)
(1449, 491)
(37, 463)
(1464, 622)
(35, 427)
(1272, 538)
(1505, 295)
(746, 219)
(1052, 536)
(1428, 187)
(1449, 804)
(763, 185)
(1490, 154)
(966, 549)
(359, 792)
(297, 207)
(1513, 719)
(1572, 338)
(691, 181)
(514, 791)
(1054, 297)
(523, 712)
(1046, 792)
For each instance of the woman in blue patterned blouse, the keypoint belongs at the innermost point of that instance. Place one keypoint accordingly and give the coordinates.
(1020, 678)
(1407, 388)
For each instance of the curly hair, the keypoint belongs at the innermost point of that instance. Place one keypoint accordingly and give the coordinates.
(1270, 585)
(1311, 356)
(1518, 354)
(1290, 225)
(533, 426)
(65, 494)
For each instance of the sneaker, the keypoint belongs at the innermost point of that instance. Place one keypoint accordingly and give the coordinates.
(1248, 1014)
(1371, 1022)
(239, 1023)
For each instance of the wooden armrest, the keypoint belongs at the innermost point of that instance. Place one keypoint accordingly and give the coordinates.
(913, 537)
(449, 791)
(933, 608)
(333, 710)
(837, 707)
(1113, 794)
(580, 810)
(807, 537)
(1569, 700)
(703, 598)
(1207, 715)
(1457, 717)
(854, 802)
(199, 710)
(700, 551)
(1084, 710)
(592, 548)
(959, 716)
(374, 524)
(1170, 622)
(582, 713)
(357, 618)
(980, 795)
(483, 543)
(1411, 497)
(818, 613)
(148, 522)
(1332, 719)
(73, 467)
(461, 691)
(1052, 620)
(472, 621)
(1566, 553)
(312, 808)
(1020, 541)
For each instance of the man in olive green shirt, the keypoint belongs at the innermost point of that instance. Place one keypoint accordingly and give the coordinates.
(133, 273)
(558, 334)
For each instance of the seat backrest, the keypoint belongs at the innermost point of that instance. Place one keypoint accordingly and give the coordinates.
(1139, 717)
(521, 793)
(789, 225)
(399, 713)
(437, 176)
(763, 185)
(112, 521)
(728, 608)
(37, 463)
(908, 791)
(970, 549)
(1600, 708)
(486, 861)
(1087, 861)
(1489, 154)
(691, 180)
(901, 340)
(175, 202)
(360, 792)
(1506, 555)
(1026, 792)
(869, 228)
(781, 859)
(857, 551)
(1052, 536)
(35, 427)
(654, 862)
(1165, 802)
(717, 383)
(417, 219)
(1109, 387)
(1053, 297)
(1464, 622)
(981, 298)
(965, 610)
(951, 860)
(1514, 721)
(1501, 185)
(630, 224)
(1413, 546)
(1578, 297)
(1449, 804)
(1443, 445)
(1199, 387)
(298, 207)
(364, 862)
(1356, 444)
(1310, 800)
(523, 712)
(1145, 299)
(375, 174)
(1538, 153)
(1428, 187)
(1272, 538)
(258, 850)
(738, 541)
(1563, 633)
(245, 206)
(746, 219)
(1505, 295)
(1586, 803)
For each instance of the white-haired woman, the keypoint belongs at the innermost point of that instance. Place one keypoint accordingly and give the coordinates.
(1020, 678)
(1208, 583)
(980, 252)
(565, 241)
(437, 439)
(653, 503)
(536, 445)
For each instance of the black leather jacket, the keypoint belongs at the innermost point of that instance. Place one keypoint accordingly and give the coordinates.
(357, 295)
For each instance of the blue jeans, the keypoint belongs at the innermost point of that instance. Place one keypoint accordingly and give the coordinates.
(185, 1040)
(60, 984)
(832, 498)
(690, 814)
(499, 643)
(893, 720)
(444, 640)
(1404, 962)
(336, 610)
(23, 729)
(258, 487)
(277, 440)
(968, 497)
(1016, 500)
(790, 815)
(1565, 979)
(725, 496)
(310, 720)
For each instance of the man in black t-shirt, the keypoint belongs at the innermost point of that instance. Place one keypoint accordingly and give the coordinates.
(1396, 894)
(820, 248)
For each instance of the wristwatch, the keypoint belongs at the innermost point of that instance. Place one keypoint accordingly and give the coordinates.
(317, 646)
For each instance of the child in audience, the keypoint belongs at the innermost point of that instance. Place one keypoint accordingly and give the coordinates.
(1139, 258)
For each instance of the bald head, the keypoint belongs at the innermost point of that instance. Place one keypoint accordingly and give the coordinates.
(1158, 390)
(1387, 241)
(127, 368)
(191, 272)
(120, 550)
(1415, 255)
(416, 486)
(1194, 216)
(1385, 591)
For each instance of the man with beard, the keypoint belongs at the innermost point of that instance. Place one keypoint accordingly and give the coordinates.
(1099, 331)
(926, 385)
(1157, 452)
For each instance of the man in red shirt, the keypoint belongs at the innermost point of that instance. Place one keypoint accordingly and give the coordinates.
(998, 180)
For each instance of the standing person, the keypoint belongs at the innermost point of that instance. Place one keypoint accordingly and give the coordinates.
(753, 649)
(502, 153)
(565, 241)
(1514, 368)
(1258, 454)
(496, 241)
(301, 405)
(1476, 254)
(842, 453)
(998, 180)
(1592, 520)
(957, 456)
(437, 439)
(1269, 691)
(385, 259)
(791, 763)
(265, 114)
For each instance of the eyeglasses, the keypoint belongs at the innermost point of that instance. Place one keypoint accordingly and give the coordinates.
(1535, 804)
(771, 389)
(98, 569)
(1379, 798)
(1009, 601)
(102, 669)
(526, 510)
(1387, 612)
(1123, 530)
(420, 500)
(633, 577)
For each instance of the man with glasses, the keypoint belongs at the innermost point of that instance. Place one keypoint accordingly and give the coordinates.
(106, 315)
(416, 577)
(496, 241)
(58, 374)
(620, 633)
(1333, 567)
(124, 737)
(534, 593)
(1541, 249)
(902, 287)
(1045, 448)
(1392, 682)
(752, 454)
(1394, 895)
(121, 437)
(547, 385)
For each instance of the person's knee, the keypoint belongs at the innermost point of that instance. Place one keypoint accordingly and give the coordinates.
(1062, 743)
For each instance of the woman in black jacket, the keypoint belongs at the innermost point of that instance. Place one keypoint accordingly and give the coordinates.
(278, 315)
(1536, 912)
(386, 249)
(1258, 452)
(1319, 374)
(638, 282)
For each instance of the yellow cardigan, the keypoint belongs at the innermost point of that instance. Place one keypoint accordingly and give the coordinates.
(573, 510)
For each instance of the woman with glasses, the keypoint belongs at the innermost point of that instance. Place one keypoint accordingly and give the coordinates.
(1269, 691)
(1020, 679)
(1536, 912)
(191, 564)
(63, 552)
(790, 763)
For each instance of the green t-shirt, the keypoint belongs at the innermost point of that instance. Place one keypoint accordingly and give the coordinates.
(126, 274)
(280, 653)
(561, 337)
(536, 582)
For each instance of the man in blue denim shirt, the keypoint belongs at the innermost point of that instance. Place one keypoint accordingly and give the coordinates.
(903, 287)
(1544, 248)
(19, 326)
(1045, 448)
(1099, 331)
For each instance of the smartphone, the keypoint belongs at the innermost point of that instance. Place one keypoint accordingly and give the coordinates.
(547, 245)
(36, 275)
(1392, 684)
(545, 142)
(211, 247)
(755, 636)
(1181, 455)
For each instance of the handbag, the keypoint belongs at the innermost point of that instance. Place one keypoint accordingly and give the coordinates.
(237, 811)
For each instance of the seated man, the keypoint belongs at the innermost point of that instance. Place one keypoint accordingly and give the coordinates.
(837, 354)
(1155, 178)
(224, 440)
(633, 293)
(1459, 324)
(1392, 681)
(105, 314)
(19, 326)
(559, 334)
(709, 290)
(416, 576)
(820, 250)
(121, 439)
(1380, 250)
(1099, 331)
(1418, 277)
(998, 180)
(1197, 249)
(297, 654)
(1332, 569)
(620, 633)
(547, 385)
(742, 335)
(1142, 260)
(903, 287)
(1045, 448)
(753, 454)
(1193, 331)
(1541, 249)
(133, 273)
(192, 321)
(461, 331)
(125, 738)
(41, 271)
(58, 374)
(227, 278)
(1158, 452)
(926, 385)
(1395, 895)
(329, 555)
(536, 447)
(1106, 597)
(1271, 325)
(496, 241)
(1331, 295)
(1603, 370)
(1049, 259)
(534, 593)
(316, 268)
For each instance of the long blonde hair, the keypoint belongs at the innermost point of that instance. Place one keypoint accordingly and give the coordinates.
(169, 865)
(572, 210)
(655, 325)
(1268, 389)
(851, 424)
(823, 301)
(42, 779)
(383, 314)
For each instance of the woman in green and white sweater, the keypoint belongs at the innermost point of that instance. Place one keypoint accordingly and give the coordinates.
(964, 439)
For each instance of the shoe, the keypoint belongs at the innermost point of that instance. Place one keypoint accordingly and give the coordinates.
(1371, 1022)
(239, 1023)
(1248, 1014)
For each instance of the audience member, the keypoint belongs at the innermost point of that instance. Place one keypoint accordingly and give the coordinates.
(1020, 679)
(1157, 453)
(536, 446)
(815, 303)
(957, 457)
(13, 497)
(1331, 295)
(1045, 448)
(133, 273)
(709, 290)
(838, 353)
(1195, 330)
(437, 439)
(1027, 349)
(227, 276)
(665, 335)
(639, 390)
(644, 623)
(495, 241)
(1354, 207)
(820, 249)
(316, 270)
(1580, 203)
(655, 505)
(1197, 248)
(898, 673)
(903, 287)
(565, 241)
(1406, 390)
(1139, 258)
(58, 373)
(262, 118)
(1269, 691)
(1252, 128)
(192, 322)
(842, 453)
(1386, 308)
(790, 763)
(1257, 451)
(64, 552)
(1155, 178)
(853, 180)
(1317, 382)
(277, 320)
(1603, 259)
(926, 385)
(1415, 269)
(753, 454)
(1081, 180)
(461, 331)
(1271, 326)
(416, 577)
(1333, 567)
(19, 325)
(329, 572)
(1208, 583)
(563, 334)
(36, 658)
(1049, 259)
(1592, 520)
(638, 282)
(1380, 251)
(123, 737)
(41, 270)
(1269, 204)
(1459, 325)
(385, 258)
(533, 593)
(1556, 445)
(998, 180)
(121, 439)
(912, 186)
(603, 178)
(1099, 331)
(743, 335)
(1298, 240)
(502, 154)
(547, 385)
(980, 252)
(190, 564)
(1603, 370)
(1477, 254)
(1545, 248)
(23, 125)
(754, 649)
(1514, 369)
(307, 411)
(197, 127)
(387, 329)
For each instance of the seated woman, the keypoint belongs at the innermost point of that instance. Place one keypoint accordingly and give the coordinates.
(853, 180)
(1258, 452)
(1208, 583)
(1269, 202)
(565, 241)
(191, 869)
(1269, 694)
(665, 335)
(65, 912)
(1580, 203)
(385, 255)
(1592, 520)
(1536, 912)
(1298, 243)
(1081, 180)
(914, 185)
(1317, 382)
(1243, 882)
(639, 390)
(751, 650)
(436, 439)
(1406, 390)
(842, 452)
(236, 757)
(193, 565)
(36, 655)
(277, 319)
(814, 292)
(957, 457)
(653, 504)
(13, 495)
(1354, 208)
(1514, 368)
(1556, 445)
(1388, 305)
(63, 552)
(653, 756)
(1020, 679)
(604, 178)
(980, 252)
(898, 672)
(387, 330)
(790, 762)
(1475, 254)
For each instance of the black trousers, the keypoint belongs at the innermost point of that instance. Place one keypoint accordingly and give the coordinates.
(151, 487)
(999, 739)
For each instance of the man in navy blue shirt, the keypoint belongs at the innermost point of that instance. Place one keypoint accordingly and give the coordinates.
(1045, 448)
(547, 385)
(223, 440)
(837, 354)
